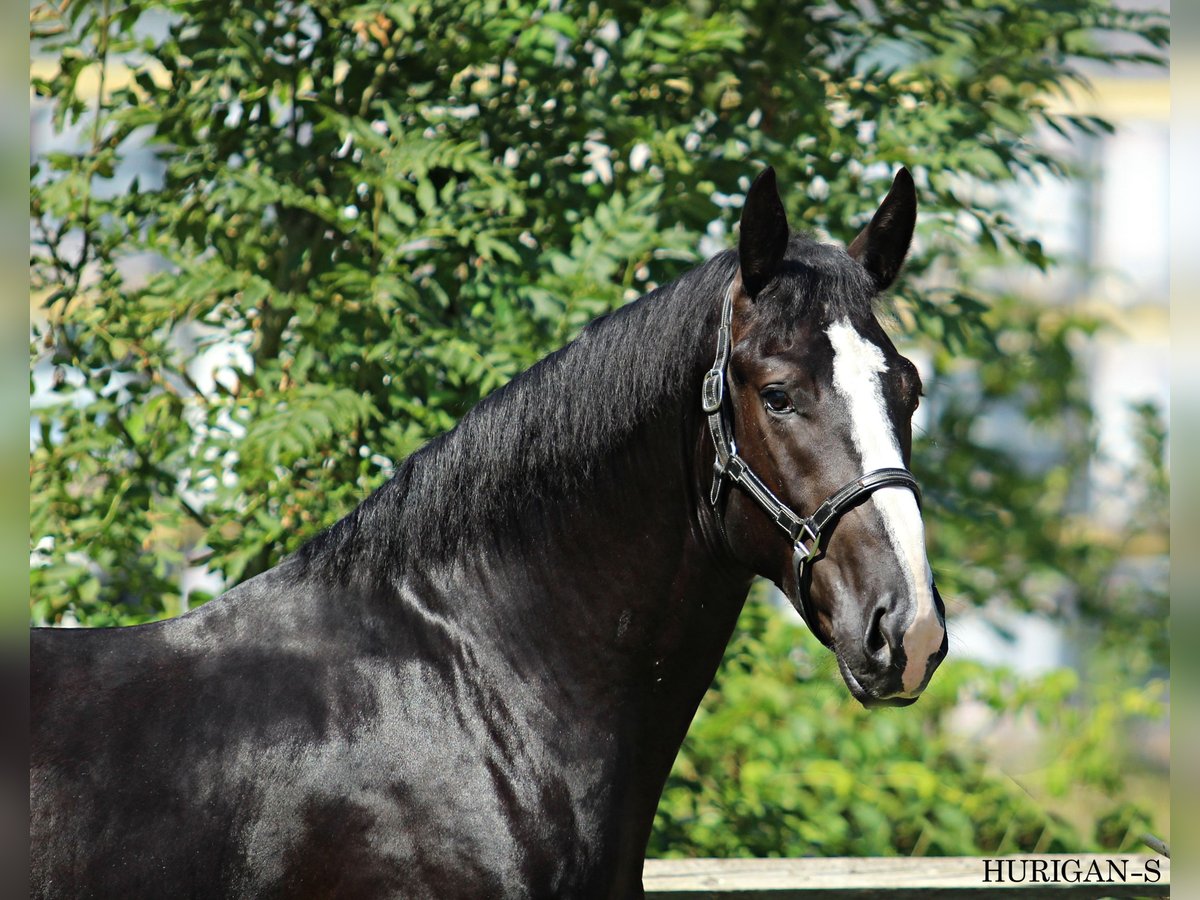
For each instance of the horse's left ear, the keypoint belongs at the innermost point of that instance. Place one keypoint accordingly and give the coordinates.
(764, 236)
(883, 244)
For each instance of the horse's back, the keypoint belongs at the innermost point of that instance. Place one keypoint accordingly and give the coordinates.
(281, 742)
(109, 805)
(163, 755)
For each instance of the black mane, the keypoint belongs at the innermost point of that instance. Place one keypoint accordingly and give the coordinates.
(553, 430)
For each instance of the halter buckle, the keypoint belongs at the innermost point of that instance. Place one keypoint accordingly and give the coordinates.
(712, 391)
(810, 551)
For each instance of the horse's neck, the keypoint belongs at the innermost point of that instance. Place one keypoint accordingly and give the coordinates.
(590, 622)
(623, 568)
(628, 603)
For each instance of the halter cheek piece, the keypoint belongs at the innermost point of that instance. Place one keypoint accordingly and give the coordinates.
(805, 533)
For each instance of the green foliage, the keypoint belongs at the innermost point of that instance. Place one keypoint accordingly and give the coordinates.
(391, 208)
(1013, 527)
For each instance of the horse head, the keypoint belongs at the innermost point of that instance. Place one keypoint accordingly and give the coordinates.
(810, 407)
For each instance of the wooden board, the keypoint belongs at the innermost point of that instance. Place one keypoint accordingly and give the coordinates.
(907, 877)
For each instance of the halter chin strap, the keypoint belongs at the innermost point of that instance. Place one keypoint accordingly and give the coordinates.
(805, 533)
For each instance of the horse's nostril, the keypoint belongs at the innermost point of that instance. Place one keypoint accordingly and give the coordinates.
(875, 639)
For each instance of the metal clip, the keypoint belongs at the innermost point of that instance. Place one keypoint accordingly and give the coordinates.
(734, 467)
(712, 391)
(807, 552)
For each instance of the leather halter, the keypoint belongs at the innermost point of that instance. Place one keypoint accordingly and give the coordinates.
(805, 532)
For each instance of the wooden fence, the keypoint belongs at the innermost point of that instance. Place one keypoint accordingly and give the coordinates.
(939, 878)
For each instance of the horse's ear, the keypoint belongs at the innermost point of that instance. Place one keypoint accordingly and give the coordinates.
(764, 236)
(883, 244)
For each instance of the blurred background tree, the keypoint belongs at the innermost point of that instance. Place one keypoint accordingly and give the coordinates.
(279, 245)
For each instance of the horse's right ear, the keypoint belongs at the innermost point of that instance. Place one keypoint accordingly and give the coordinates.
(764, 236)
(883, 244)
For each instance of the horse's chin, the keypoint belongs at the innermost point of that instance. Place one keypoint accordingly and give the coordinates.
(868, 698)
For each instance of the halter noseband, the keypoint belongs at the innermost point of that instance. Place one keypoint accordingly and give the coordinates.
(805, 533)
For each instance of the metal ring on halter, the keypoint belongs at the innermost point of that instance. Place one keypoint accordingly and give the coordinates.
(805, 532)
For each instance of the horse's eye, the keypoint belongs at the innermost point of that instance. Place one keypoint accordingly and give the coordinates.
(776, 401)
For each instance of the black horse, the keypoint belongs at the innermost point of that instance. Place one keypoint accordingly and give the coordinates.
(474, 684)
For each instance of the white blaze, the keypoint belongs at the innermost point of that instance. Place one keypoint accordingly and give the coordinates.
(856, 366)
